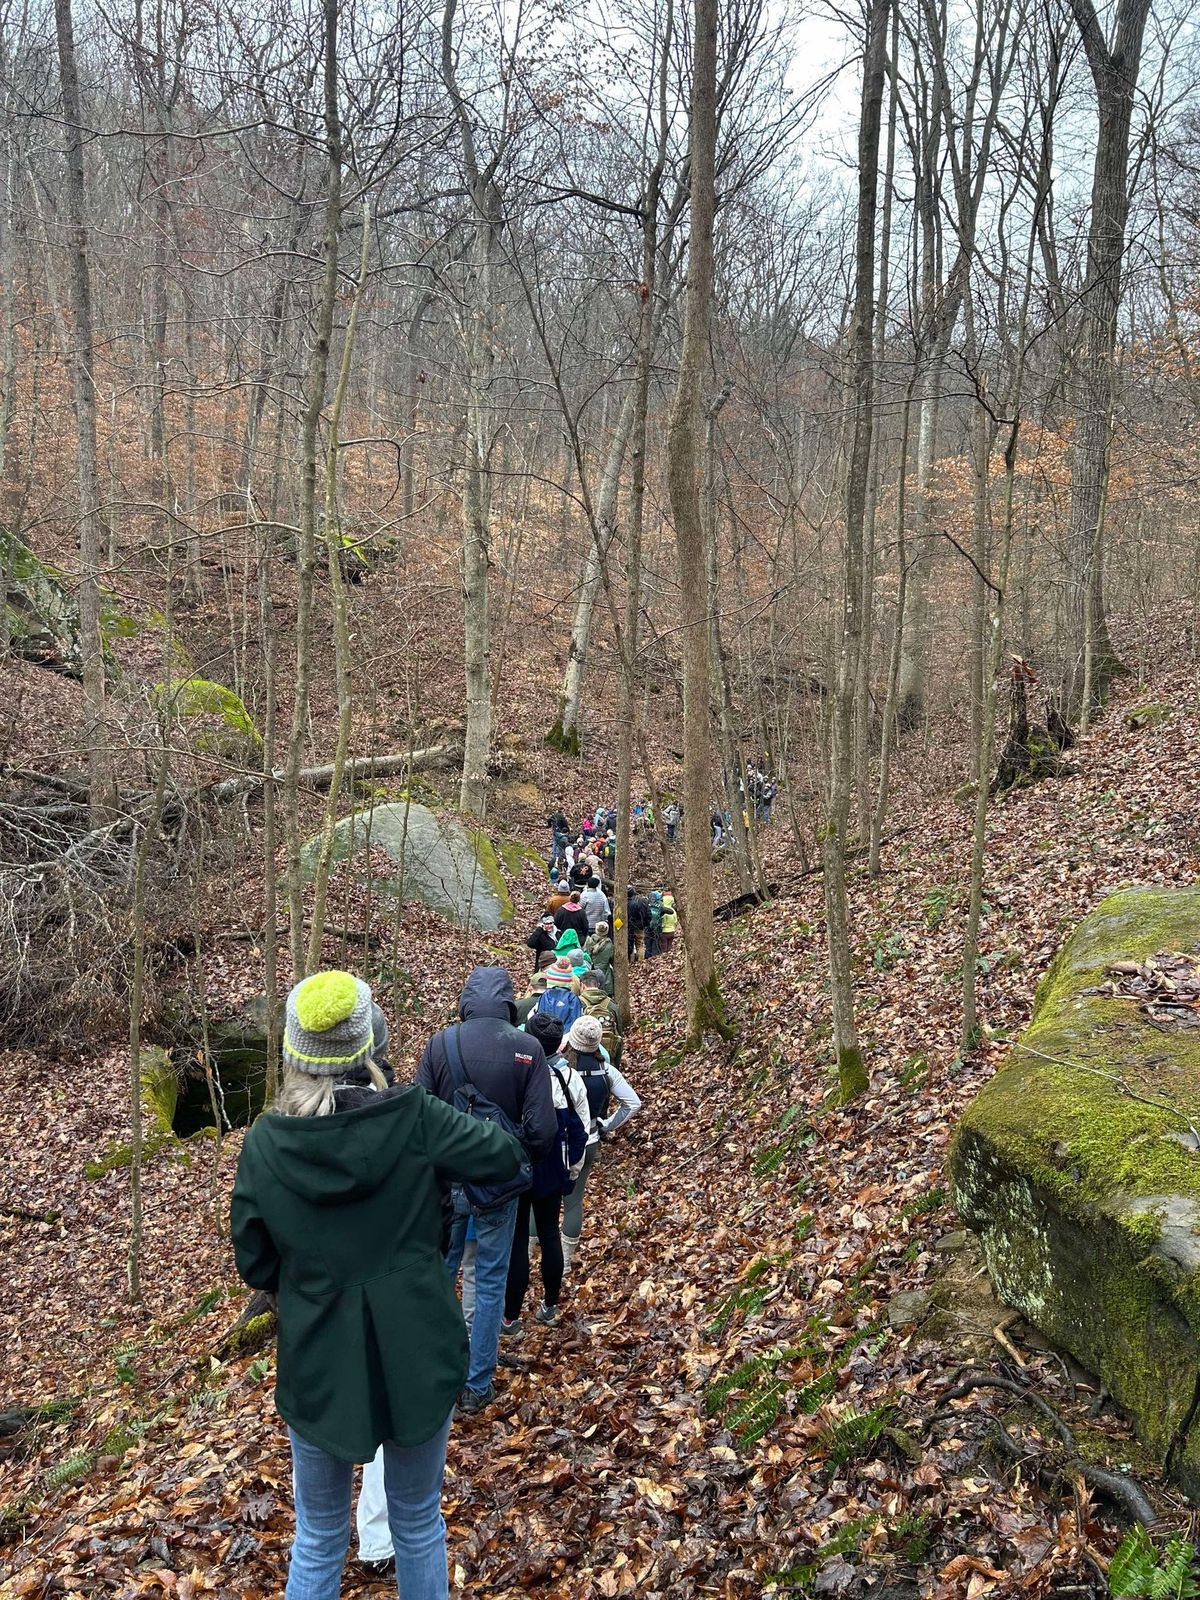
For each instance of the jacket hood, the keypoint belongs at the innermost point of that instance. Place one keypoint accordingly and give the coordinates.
(568, 941)
(328, 1161)
(488, 992)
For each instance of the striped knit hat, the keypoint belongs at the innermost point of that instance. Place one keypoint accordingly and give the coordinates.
(560, 972)
(327, 1028)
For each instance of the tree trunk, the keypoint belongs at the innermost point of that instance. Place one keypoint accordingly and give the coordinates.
(852, 1073)
(566, 731)
(306, 554)
(683, 479)
(1115, 74)
(102, 790)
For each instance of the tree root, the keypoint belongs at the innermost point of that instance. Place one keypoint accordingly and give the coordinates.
(1118, 1487)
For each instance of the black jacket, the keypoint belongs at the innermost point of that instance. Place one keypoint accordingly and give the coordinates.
(577, 919)
(507, 1066)
(541, 939)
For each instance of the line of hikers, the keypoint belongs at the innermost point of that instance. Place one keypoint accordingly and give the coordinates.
(357, 1201)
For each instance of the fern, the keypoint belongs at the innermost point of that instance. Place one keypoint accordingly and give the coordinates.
(1139, 1573)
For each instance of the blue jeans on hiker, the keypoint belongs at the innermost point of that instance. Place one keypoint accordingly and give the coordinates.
(322, 1485)
(493, 1247)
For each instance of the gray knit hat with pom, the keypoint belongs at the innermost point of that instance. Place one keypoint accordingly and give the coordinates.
(327, 1028)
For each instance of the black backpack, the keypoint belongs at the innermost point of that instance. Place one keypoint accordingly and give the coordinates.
(594, 1073)
(482, 1196)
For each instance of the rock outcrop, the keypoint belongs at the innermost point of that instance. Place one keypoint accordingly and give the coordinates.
(1079, 1167)
(452, 869)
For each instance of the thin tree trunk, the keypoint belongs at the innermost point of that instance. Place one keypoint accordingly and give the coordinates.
(341, 621)
(566, 731)
(306, 552)
(852, 1073)
(683, 478)
(1115, 71)
(102, 790)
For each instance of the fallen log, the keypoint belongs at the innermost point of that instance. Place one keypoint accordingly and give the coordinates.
(321, 777)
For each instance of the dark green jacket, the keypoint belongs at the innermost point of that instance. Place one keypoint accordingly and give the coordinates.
(341, 1217)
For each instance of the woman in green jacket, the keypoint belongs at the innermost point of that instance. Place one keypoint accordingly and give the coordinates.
(337, 1211)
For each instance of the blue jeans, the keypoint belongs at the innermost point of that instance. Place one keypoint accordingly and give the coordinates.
(322, 1485)
(493, 1241)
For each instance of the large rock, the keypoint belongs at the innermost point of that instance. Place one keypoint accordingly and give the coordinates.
(1086, 1197)
(42, 617)
(452, 869)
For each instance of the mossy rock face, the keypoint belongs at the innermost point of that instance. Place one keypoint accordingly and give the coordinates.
(226, 727)
(1146, 717)
(1087, 1199)
(43, 618)
(451, 868)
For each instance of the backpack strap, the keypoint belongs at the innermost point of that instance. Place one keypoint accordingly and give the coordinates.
(454, 1063)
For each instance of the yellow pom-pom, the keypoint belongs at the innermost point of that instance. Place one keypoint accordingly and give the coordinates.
(324, 1000)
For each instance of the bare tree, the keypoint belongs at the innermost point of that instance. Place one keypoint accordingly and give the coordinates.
(852, 1073)
(1092, 662)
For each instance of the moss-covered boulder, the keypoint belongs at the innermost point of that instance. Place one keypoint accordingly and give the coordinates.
(451, 868)
(222, 725)
(41, 615)
(1079, 1167)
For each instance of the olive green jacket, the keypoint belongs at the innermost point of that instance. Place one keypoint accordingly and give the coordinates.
(341, 1217)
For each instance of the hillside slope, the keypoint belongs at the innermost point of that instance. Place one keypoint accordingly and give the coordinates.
(726, 1407)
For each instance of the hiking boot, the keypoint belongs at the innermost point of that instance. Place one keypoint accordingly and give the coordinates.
(547, 1315)
(470, 1401)
(511, 1330)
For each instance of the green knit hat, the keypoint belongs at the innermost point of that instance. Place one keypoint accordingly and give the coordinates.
(328, 1026)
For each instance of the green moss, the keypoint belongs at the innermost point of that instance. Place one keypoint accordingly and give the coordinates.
(1075, 1166)
(852, 1076)
(195, 697)
(558, 739)
(121, 1155)
(489, 867)
(515, 853)
(160, 1086)
(1148, 716)
(252, 1335)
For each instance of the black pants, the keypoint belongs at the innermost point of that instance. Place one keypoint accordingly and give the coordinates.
(545, 1213)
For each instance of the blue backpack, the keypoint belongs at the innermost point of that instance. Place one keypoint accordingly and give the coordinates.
(477, 1197)
(561, 1003)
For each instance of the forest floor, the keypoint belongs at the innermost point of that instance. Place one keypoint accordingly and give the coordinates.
(726, 1406)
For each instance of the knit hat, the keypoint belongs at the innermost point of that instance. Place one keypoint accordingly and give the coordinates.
(586, 1034)
(545, 957)
(560, 972)
(569, 941)
(601, 928)
(562, 884)
(327, 1028)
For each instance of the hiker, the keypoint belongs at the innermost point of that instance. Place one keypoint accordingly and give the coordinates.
(670, 923)
(638, 815)
(601, 821)
(597, 1002)
(527, 1003)
(671, 820)
(654, 928)
(608, 851)
(553, 1177)
(560, 998)
(766, 800)
(572, 915)
(594, 904)
(637, 918)
(485, 1052)
(648, 816)
(544, 937)
(373, 1349)
(602, 1081)
(600, 948)
(718, 829)
(555, 901)
(581, 871)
